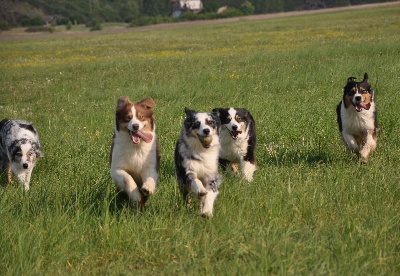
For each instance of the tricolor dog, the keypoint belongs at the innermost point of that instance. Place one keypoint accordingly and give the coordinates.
(196, 158)
(356, 116)
(19, 149)
(135, 156)
(238, 140)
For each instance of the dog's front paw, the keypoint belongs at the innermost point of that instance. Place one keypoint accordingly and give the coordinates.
(197, 188)
(202, 192)
(146, 192)
(148, 187)
(207, 215)
(248, 171)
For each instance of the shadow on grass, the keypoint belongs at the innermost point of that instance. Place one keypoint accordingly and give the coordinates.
(288, 158)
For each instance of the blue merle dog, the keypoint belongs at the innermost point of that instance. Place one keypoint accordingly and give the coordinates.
(19, 149)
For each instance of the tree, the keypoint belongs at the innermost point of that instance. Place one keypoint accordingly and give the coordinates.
(156, 7)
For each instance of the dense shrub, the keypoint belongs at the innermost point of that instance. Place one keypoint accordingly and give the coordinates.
(36, 21)
(36, 29)
(151, 20)
(69, 26)
(230, 12)
(94, 25)
(4, 25)
(62, 21)
(247, 8)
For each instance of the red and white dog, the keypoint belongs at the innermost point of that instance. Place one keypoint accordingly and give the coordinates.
(135, 155)
(357, 119)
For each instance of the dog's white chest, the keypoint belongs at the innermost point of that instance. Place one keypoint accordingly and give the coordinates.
(231, 149)
(130, 157)
(354, 122)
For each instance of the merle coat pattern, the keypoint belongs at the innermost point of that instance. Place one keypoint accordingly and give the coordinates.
(196, 158)
(19, 149)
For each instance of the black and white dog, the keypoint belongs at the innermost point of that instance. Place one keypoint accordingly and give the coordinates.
(19, 149)
(196, 158)
(356, 117)
(238, 140)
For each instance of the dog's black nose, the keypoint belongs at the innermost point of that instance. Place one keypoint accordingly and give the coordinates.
(25, 165)
(358, 98)
(135, 126)
(234, 127)
(206, 131)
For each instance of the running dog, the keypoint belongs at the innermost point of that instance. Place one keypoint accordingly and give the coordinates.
(357, 118)
(196, 158)
(135, 151)
(19, 149)
(238, 140)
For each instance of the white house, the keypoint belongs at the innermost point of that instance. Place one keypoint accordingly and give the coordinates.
(191, 5)
(179, 6)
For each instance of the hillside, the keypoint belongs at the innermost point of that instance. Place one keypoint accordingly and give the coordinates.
(60, 12)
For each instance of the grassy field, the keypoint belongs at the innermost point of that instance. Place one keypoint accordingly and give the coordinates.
(312, 208)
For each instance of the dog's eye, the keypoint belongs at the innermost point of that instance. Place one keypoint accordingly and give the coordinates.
(210, 123)
(229, 118)
(196, 124)
(237, 118)
(351, 92)
(127, 118)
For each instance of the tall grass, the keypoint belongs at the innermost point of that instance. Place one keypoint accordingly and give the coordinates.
(312, 208)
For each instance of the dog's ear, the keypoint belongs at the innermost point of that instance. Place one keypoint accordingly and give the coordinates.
(215, 116)
(122, 101)
(39, 153)
(350, 79)
(147, 102)
(365, 78)
(216, 111)
(188, 111)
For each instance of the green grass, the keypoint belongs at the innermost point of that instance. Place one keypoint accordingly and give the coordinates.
(312, 208)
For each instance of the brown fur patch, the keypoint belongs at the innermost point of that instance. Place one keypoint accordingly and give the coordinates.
(144, 112)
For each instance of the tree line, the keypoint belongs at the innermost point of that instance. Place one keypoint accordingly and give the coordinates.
(140, 12)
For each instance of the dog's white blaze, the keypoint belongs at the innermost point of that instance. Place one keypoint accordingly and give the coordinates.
(357, 94)
(134, 121)
(202, 117)
(24, 158)
(233, 121)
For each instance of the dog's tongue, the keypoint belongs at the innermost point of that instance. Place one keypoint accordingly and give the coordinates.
(235, 134)
(136, 136)
(359, 106)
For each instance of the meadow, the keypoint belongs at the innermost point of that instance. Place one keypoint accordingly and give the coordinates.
(312, 207)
